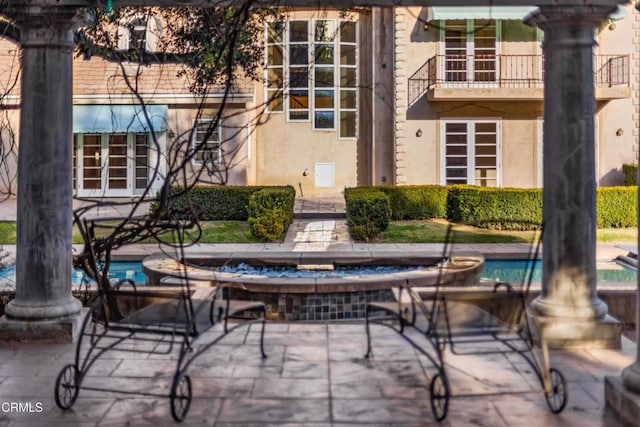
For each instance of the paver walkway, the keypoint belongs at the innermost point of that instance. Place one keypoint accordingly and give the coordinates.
(315, 375)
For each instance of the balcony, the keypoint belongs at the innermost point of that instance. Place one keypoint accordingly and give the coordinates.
(506, 77)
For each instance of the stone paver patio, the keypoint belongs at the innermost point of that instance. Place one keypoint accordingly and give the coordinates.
(315, 375)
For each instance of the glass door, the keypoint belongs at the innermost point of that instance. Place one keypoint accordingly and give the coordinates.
(91, 180)
(117, 165)
(107, 165)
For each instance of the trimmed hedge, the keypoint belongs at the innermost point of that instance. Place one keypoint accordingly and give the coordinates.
(417, 201)
(630, 172)
(271, 211)
(213, 202)
(617, 207)
(484, 207)
(368, 212)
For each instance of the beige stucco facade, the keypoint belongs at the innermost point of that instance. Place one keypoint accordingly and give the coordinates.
(407, 106)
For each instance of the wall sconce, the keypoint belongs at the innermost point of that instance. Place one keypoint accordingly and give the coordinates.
(305, 172)
(419, 133)
(425, 26)
(170, 133)
(619, 132)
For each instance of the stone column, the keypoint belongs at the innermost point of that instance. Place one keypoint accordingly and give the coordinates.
(568, 305)
(44, 211)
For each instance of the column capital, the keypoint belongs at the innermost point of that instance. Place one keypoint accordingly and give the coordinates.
(569, 16)
(569, 26)
(49, 26)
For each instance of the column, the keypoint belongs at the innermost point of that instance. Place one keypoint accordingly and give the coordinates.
(568, 305)
(44, 209)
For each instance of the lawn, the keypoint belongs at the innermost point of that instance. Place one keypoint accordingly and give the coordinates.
(425, 231)
(432, 231)
(212, 232)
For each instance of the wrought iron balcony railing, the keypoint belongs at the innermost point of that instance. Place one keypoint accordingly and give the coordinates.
(504, 71)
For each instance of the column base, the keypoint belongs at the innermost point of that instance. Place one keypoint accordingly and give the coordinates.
(62, 330)
(69, 308)
(561, 333)
(621, 404)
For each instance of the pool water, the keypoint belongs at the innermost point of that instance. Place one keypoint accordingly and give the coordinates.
(513, 271)
(119, 270)
(504, 270)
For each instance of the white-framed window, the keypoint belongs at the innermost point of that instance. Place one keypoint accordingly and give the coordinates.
(274, 66)
(348, 79)
(324, 74)
(471, 50)
(140, 34)
(298, 70)
(471, 152)
(112, 164)
(311, 73)
(206, 142)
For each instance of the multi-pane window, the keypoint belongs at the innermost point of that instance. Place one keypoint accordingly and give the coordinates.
(470, 50)
(138, 35)
(275, 66)
(111, 164)
(471, 152)
(298, 55)
(141, 160)
(348, 79)
(206, 142)
(324, 72)
(314, 63)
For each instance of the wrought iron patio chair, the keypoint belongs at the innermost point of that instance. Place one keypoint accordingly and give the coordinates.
(490, 318)
(131, 318)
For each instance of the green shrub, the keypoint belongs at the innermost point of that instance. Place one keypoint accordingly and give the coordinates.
(630, 172)
(368, 212)
(495, 207)
(270, 212)
(616, 207)
(416, 201)
(211, 202)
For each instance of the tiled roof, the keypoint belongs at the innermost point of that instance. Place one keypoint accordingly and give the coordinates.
(101, 78)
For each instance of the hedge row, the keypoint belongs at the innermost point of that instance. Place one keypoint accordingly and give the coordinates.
(485, 207)
(616, 207)
(269, 210)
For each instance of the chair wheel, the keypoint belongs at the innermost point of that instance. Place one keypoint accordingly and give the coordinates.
(439, 396)
(180, 397)
(557, 397)
(67, 387)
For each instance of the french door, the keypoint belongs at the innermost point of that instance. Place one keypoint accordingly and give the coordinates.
(470, 52)
(110, 165)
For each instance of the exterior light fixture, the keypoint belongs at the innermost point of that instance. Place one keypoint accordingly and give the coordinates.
(419, 133)
(619, 132)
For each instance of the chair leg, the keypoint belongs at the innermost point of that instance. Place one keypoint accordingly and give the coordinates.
(264, 322)
(368, 330)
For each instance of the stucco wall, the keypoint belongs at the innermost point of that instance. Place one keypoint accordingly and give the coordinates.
(285, 149)
(235, 142)
(420, 155)
(616, 138)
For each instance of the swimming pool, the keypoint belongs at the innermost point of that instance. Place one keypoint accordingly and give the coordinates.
(119, 270)
(495, 269)
(513, 270)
